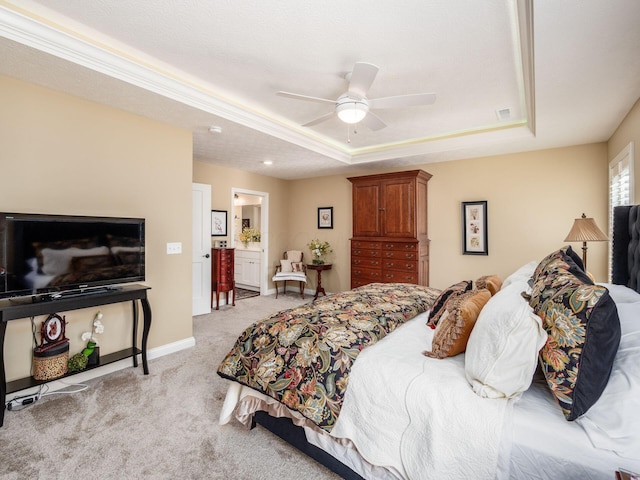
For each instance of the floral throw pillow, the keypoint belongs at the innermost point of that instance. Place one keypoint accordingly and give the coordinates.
(583, 332)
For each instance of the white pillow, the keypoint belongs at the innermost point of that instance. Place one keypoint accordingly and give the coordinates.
(621, 293)
(613, 422)
(285, 266)
(294, 255)
(502, 352)
(56, 262)
(524, 273)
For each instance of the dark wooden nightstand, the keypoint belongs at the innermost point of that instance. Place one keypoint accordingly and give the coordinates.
(319, 269)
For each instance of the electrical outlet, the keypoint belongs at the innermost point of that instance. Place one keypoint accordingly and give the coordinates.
(174, 248)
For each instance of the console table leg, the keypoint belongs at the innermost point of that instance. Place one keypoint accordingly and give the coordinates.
(134, 341)
(146, 309)
(3, 378)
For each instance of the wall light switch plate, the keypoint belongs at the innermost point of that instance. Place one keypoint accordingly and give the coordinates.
(174, 248)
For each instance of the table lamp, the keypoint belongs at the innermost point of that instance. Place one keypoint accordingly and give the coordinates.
(585, 230)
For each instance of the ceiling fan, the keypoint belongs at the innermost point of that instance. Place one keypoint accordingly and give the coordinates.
(353, 106)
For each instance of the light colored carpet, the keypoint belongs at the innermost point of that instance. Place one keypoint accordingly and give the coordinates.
(161, 426)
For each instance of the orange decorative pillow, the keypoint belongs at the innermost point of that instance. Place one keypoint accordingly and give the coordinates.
(493, 283)
(456, 323)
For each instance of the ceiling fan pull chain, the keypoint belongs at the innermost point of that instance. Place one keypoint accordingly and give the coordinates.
(348, 134)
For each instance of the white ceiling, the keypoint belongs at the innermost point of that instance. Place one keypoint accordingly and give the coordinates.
(567, 70)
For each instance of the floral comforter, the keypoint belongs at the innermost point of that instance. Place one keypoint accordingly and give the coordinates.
(302, 356)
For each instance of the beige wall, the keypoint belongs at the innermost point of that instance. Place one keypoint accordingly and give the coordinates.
(64, 155)
(310, 194)
(628, 131)
(532, 201)
(222, 180)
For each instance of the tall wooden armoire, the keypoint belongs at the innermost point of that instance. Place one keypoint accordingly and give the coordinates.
(390, 240)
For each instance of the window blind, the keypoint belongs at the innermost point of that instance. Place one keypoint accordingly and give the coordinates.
(621, 186)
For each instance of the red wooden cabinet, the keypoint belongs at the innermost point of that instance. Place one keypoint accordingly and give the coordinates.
(222, 274)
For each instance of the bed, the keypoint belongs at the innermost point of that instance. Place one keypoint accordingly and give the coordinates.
(533, 376)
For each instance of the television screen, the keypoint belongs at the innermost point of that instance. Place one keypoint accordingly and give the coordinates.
(56, 253)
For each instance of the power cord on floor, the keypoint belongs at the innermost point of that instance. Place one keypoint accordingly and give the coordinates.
(81, 387)
(23, 401)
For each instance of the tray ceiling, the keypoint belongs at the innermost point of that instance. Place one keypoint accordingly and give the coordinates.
(509, 75)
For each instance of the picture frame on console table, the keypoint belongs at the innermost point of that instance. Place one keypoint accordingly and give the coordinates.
(218, 223)
(474, 228)
(325, 217)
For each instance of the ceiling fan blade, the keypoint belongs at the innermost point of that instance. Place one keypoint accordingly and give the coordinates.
(400, 101)
(361, 79)
(373, 122)
(321, 119)
(306, 97)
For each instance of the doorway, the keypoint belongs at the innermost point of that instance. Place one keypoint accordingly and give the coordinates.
(201, 248)
(250, 209)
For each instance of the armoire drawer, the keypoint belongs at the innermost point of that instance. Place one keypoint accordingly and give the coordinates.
(400, 265)
(366, 273)
(403, 246)
(365, 262)
(400, 255)
(359, 252)
(363, 244)
(359, 282)
(401, 277)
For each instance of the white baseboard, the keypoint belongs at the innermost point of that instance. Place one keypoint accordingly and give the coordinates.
(307, 291)
(152, 353)
(171, 348)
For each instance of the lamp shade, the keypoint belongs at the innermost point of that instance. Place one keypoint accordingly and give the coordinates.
(585, 230)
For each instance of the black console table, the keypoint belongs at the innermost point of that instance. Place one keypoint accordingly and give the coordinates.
(25, 307)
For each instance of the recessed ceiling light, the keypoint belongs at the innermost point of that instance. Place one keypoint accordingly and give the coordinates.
(503, 114)
(268, 162)
(215, 129)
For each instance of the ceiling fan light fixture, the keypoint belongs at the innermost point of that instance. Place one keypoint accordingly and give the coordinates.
(351, 110)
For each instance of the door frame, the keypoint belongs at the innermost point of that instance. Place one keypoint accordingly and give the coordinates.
(264, 233)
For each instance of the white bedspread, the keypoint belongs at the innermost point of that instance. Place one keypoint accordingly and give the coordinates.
(412, 425)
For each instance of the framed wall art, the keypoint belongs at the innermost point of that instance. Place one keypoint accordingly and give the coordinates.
(325, 217)
(218, 223)
(474, 228)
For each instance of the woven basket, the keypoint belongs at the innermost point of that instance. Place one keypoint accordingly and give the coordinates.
(52, 363)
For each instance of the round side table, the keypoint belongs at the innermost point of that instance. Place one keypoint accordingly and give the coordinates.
(319, 269)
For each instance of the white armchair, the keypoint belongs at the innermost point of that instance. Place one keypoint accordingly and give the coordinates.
(291, 268)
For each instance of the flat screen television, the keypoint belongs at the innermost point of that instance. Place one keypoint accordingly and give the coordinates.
(51, 254)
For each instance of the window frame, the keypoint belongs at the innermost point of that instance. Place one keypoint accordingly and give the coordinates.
(626, 155)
